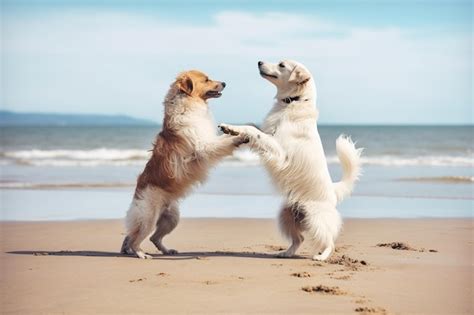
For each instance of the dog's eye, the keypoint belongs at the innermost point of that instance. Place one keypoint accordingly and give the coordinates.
(281, 65)
(207, 79)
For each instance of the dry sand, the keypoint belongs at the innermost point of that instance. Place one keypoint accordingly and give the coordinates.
(227, 266)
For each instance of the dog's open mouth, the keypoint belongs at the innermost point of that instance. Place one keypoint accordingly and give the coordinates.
(263, 74)
(213, 94)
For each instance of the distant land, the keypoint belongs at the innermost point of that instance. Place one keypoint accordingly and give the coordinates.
(9, 118)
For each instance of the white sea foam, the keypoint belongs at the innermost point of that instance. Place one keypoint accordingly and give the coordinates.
(247, 157)
(429, 160)
(94, 157)
(243, 157)
(95, 154)
(137, 157)
(63, 185)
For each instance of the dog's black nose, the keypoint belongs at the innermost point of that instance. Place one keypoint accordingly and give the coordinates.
(260, 63)
(223, 84)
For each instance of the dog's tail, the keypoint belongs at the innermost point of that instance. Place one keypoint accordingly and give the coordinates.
(349, 157)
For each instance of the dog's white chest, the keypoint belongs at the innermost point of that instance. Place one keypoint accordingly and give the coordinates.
(201, 129)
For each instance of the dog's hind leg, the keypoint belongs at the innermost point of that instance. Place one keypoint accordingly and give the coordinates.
(125, 248)
(136, 237)
(323, 227)
(131, 243)
(290, 221)
(141, 221)
(166, 223)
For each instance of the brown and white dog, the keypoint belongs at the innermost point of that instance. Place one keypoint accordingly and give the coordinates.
(182, 154)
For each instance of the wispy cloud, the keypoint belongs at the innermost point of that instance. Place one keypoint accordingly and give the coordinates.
(125, 60)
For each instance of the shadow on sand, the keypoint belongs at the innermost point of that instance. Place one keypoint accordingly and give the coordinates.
(179, 256)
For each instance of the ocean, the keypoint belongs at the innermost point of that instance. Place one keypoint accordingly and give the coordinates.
(71, 173)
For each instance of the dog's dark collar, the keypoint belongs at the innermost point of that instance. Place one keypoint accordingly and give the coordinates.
(290, 99)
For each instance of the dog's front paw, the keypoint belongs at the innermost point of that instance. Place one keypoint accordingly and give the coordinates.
(227, 129)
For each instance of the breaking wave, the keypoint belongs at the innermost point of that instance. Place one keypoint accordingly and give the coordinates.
(137, 157)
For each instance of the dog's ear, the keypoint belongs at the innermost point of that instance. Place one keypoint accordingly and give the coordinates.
(299, 75)
(185, 84)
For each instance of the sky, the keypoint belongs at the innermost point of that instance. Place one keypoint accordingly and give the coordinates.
(374, 62)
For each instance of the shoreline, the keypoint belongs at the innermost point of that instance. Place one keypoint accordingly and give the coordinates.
(112, 220)
(129, 187)
(228, 265)
(23, 205)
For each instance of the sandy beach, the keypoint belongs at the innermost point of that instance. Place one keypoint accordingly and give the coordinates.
(227, 266)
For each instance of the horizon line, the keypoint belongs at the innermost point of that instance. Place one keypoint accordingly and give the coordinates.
(322, 124)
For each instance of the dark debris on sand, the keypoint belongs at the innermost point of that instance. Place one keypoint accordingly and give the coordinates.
(303, 274)
(404, 246)
(351, 263)
(324, 290)
(370, 310)
(397, 246)
(137, 280)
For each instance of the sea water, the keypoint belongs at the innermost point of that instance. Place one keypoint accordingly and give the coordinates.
(64, 173)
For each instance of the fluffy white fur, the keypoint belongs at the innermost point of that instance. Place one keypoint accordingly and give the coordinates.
(290, 147)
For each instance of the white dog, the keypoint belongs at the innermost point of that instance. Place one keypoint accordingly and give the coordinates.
(292, 152)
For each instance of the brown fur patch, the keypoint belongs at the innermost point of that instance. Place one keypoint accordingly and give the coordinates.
(166, 168)
(297, 213)
(291, 222)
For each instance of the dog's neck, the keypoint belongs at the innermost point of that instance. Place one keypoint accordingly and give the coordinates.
(304, 108)
(178, 103)
(304, 93)
(290, 99)
(182, 110)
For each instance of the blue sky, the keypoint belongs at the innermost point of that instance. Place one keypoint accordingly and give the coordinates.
(391, 62)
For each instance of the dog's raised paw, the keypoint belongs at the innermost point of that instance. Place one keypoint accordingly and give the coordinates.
(228, 130)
